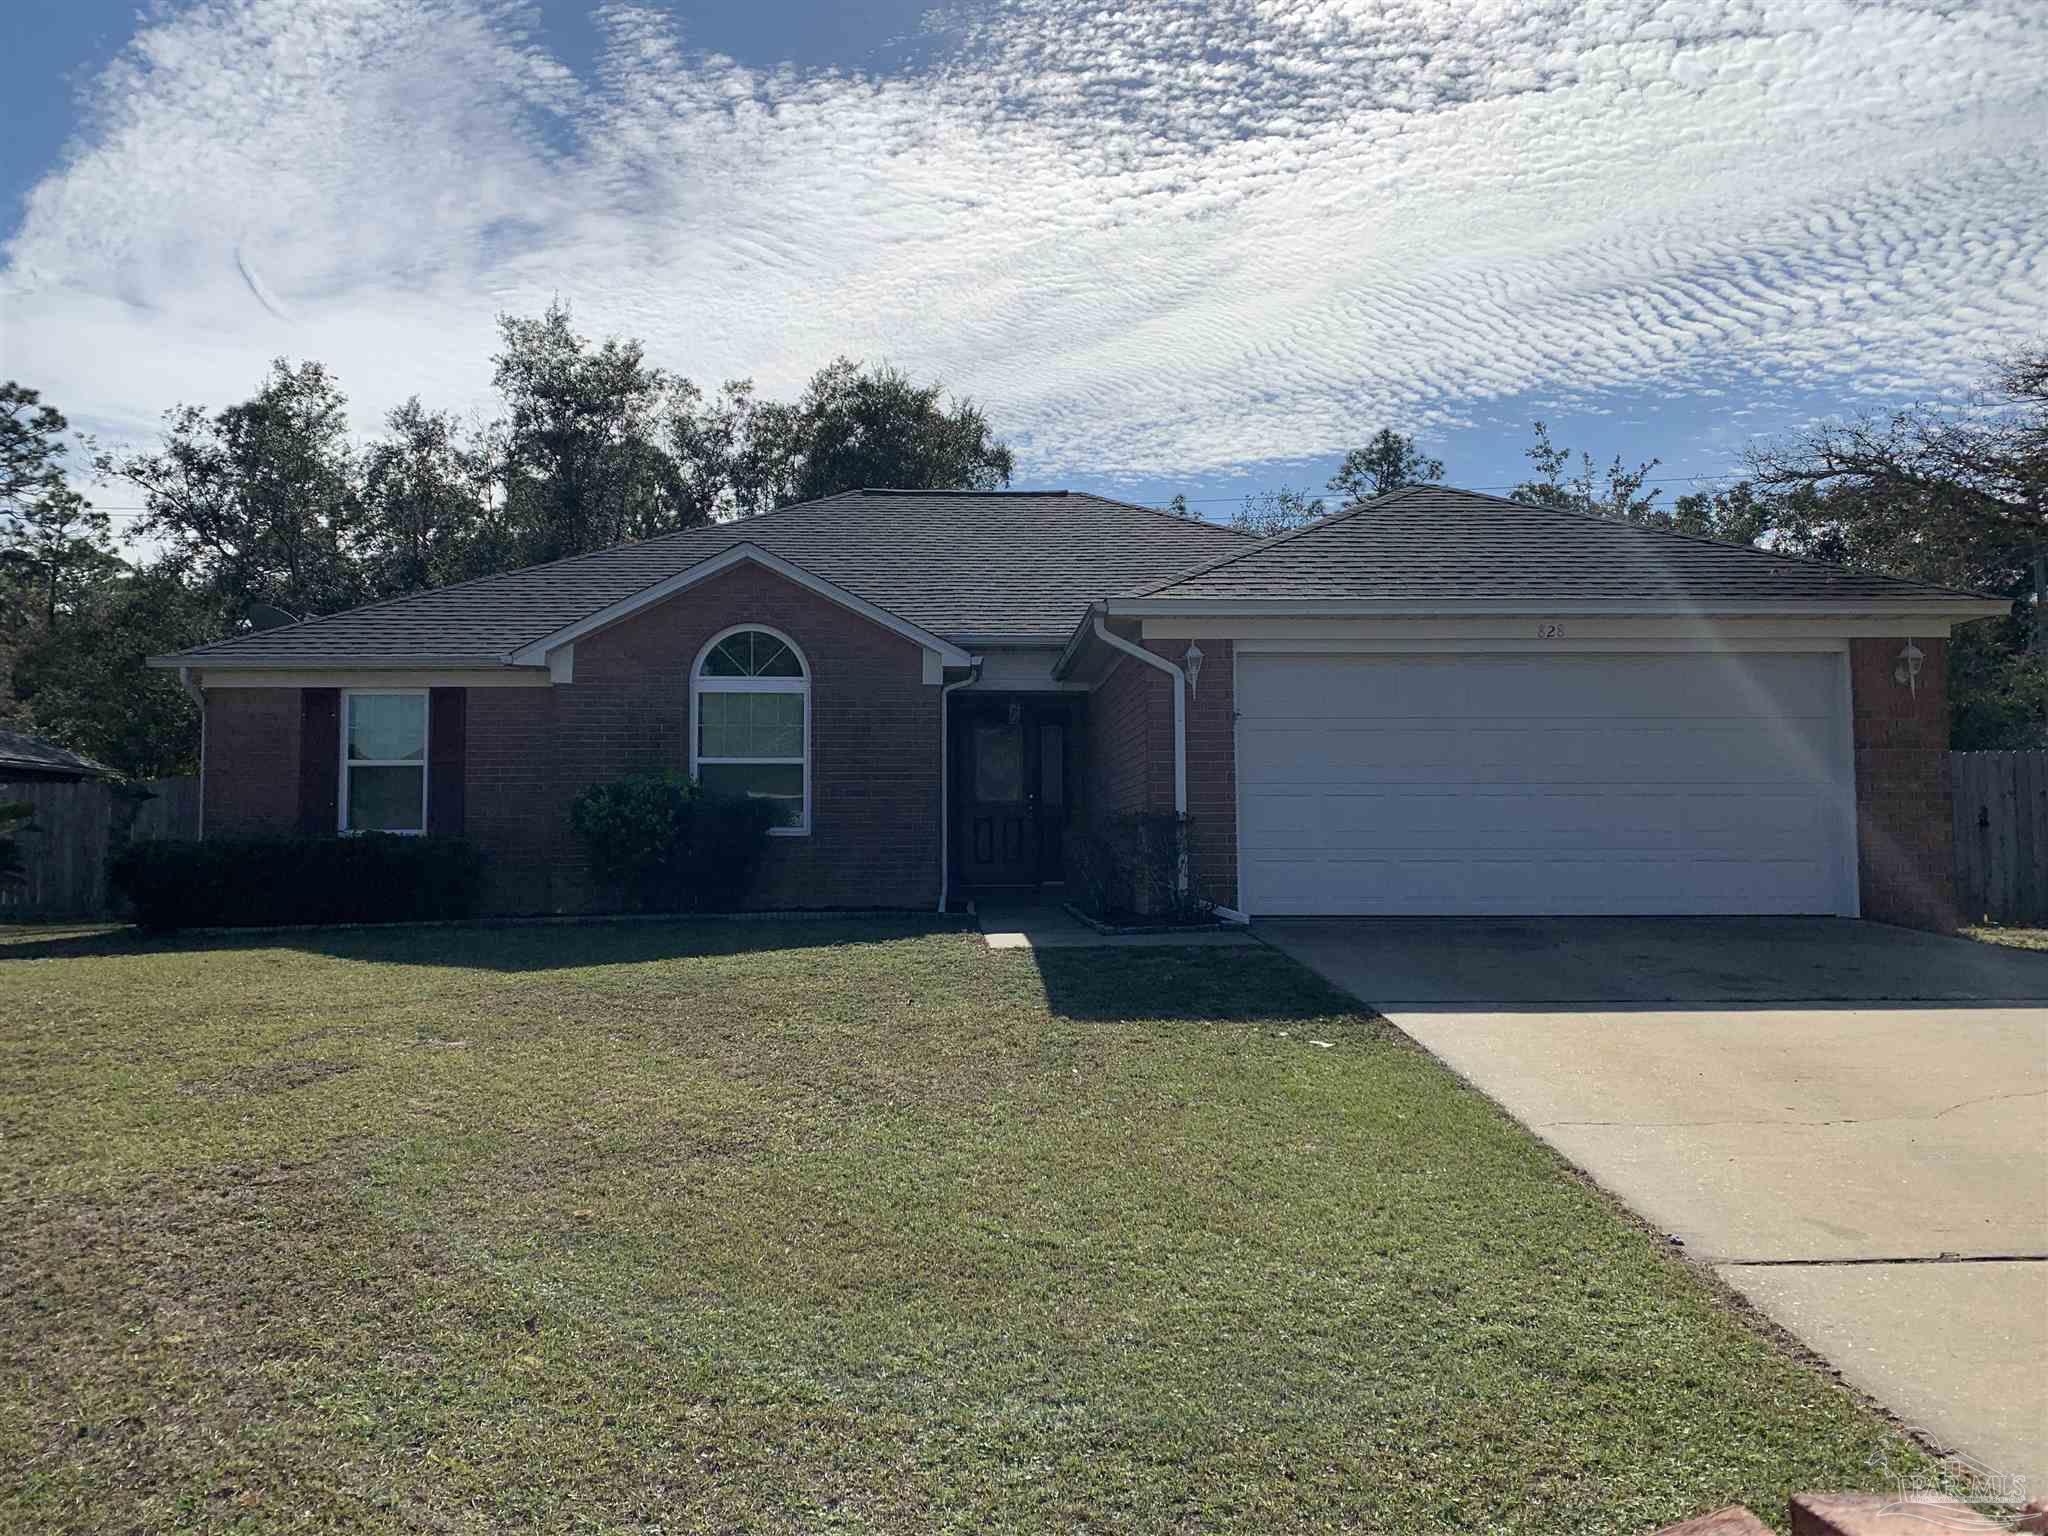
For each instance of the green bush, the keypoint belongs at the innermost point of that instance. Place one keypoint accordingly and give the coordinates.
(249, 881)
(668, 846)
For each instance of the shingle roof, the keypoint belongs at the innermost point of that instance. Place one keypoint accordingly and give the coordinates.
(1433, 543)
(20, 753)
(953, 562)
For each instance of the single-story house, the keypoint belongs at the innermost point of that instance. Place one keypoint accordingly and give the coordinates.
(1434, 702)
(28, 759)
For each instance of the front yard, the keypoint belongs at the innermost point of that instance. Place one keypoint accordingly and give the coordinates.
(818, 1226)
(1999, 933)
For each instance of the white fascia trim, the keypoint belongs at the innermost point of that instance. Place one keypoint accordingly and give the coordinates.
(1063, 662)
(1955, 610)
(535, 652)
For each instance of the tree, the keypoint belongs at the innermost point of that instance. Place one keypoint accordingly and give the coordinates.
(53, 544)
(1958, 497)
(853, 426)
(581, 460)
(425, 504)
(857, 426)
(1955, 497)
(1269, 512)
(1620, 496)
(257, 503)
(1741, 514)
(1386, 463)
(734, 452)
(87, 684)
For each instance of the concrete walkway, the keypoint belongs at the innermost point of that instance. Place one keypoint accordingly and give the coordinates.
(1056, 928)
(1844, 1120)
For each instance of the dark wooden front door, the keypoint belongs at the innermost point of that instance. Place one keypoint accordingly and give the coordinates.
(1012, 762)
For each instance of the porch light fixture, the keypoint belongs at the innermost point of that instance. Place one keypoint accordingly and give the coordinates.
(1908, 669)
(1191, 663)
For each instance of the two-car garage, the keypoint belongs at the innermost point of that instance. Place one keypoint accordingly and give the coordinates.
(1474, 783)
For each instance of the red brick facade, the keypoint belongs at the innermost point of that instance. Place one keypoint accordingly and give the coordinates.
(874, 746)
(1130, 746)
(252, 762)
(1904, 832)
(875, 771)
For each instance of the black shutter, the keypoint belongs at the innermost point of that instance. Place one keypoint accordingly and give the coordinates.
(447, 708)
(319, 761)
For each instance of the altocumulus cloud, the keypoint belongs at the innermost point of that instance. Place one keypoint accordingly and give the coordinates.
(1152, 237)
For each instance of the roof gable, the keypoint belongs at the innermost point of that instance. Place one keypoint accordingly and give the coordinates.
(958, 565)
(536, 652)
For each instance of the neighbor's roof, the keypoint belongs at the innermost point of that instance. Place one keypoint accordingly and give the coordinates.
(1432, 543)
(33, 754)
(957, 563)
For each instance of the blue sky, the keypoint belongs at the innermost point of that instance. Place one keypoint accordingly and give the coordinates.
(1170, 246)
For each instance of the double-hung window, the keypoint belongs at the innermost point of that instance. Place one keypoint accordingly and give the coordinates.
(750, 701)
(384, 762)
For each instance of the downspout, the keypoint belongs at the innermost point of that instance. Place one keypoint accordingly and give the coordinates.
(1180, 737)
(946, 781)
(198, 697)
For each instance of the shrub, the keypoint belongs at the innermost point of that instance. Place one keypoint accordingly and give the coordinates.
(237, 881)
(670, 847)
(1131, 867)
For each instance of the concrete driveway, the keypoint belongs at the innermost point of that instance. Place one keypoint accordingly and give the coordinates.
(1845, 1120)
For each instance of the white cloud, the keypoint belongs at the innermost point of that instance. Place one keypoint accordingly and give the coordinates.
(1154, 237)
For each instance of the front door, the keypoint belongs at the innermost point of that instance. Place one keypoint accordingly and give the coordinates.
(1011, 758)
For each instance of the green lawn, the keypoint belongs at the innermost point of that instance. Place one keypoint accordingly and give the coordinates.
(2016, 938)
(820, 1227)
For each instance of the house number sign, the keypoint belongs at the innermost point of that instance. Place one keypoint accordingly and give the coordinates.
(1549, 629)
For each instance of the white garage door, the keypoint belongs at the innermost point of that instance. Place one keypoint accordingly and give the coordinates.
(1472, 784)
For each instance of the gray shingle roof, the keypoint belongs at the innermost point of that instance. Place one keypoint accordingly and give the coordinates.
(32, 754)
(1433, 542)
(954, 563)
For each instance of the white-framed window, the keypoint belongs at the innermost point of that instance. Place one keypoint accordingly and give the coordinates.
(750, 721)
(384, 761)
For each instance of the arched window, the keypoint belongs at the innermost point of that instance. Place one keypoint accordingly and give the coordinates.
(750, 721)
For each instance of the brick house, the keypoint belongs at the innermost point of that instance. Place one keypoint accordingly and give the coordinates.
(1435, 702)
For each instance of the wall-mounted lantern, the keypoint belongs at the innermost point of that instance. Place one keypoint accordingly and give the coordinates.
(1908, 669)
(1191, 663)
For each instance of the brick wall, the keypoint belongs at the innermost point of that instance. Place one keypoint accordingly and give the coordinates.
(1212, 769)
(252, 762)
(515, 805)
(874, 738)
(1130, 742)
(1903, 830)
(874, 752)
(1130, 762)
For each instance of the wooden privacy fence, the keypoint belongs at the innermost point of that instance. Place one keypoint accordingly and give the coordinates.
(66, 842)
(2001, 809)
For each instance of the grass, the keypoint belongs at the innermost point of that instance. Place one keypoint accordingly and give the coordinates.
(2015, 938)
(821, 1227)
